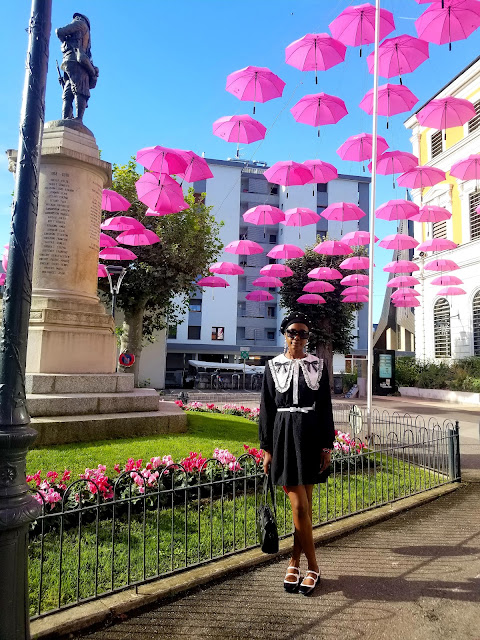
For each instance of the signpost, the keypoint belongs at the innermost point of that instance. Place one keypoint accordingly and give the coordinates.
(244, 353)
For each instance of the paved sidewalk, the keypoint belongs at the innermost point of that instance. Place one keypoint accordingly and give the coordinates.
(414, 577)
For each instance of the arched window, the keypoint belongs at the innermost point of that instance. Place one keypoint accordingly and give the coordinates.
(476, 324)
(441, 329)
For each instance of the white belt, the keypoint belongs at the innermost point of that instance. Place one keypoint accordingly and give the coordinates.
(297, 409)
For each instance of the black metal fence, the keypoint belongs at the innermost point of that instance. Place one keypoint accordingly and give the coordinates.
(87, 546)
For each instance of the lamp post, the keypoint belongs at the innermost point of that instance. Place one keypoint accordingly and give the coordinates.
(115, 276)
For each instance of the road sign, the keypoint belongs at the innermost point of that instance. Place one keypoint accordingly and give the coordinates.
(126, 359)
(244, 354)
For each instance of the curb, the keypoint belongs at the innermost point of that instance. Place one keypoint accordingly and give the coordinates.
(106, 609)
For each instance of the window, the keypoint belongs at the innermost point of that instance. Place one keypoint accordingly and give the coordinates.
(439, 229)
(272, 238)
(270, 335)
(436, 144)
(194, 332)
(242, 309)
(271, 312)
(240, 333)
(441, 329)
(474, 123)
(474, 202)
(322, 187)
(273, 189)
(172, 331)
(272, 261)
(195, 305)
(218, 333)
(242, 261)
(476, 324)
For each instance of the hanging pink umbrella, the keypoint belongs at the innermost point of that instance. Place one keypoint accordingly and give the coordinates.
(300, 217)
(355, 290)
(315, 52)
(161, 160)
(107, 241)
(420, 177)
(392, 99)
(404, 291)
(468, 169)
(121, 223)
(392, 162)
(259, 296)
(257, 84)
(161, 212)
(441, 264)
(447, 112)
(355, 262)
(355, 280)
(321, 171)
(288, 173)
(243, 247)
(113, 201)
(102, 271)
(451, 291)
(117, 253)
(357, 238)
(227, 268)
(401, 266)
(311, 298)
(402, 281)
(398, 241)
(332, 248)
(408, 301)
(318, 109)
(449, 21)
(327, 273)
(285, 252)
(342, 211)
(431, 213)
(400, 55)
(359, 147)
(355, 25)
(5, 259)
(436, 244)
(446, 281)
(277, 270)
(264, 214)
(197, 167)
(240, 129)
(212, 281)
(267, 281)
(135, 238)
(2, 279)
(357, 298)
(396, 210)
(318, 286)
(161, 194)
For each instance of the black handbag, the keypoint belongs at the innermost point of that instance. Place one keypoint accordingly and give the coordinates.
(266, 520)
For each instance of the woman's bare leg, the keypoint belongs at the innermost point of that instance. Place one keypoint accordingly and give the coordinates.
(301, 501)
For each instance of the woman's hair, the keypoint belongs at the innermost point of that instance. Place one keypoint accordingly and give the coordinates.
(293, 318)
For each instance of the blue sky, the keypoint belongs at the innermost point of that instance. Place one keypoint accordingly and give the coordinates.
(163, 67)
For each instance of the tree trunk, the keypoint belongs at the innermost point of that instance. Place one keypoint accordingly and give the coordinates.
(325, 351)
(131, 340)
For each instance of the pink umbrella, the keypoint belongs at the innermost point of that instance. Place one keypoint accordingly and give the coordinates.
(452, 20)
(243, 247)
(356, 298)
(408, 301)
(398, 241)
(342, 211)
(332, 248)
(5, 259)
(444, 113)
(468, 169)
(102, 271)
(2, 279)
(318, 109)
(107, 241)
(285, 252)
(392, 99)
(238, 129)
(392, 162)
(161, 160)
(267, 281)
(396, 210)
(259, 296)
(436, 244)
(161, 212)
(300, 217)
(357, 238)
(164, 194)
(399, 293)
(311, 298)
(321, 171)
(431, 213)
(355, 290)
(401, 266)
(315, 51)
(113, 201)
(355, 262)
(451, 291)
(318, 286)
(227, 268)
(288, 173)
(359, 147)
(121, 223)
(197, 167)
(400, 55)
(212, 281)
(277, 270)
(420, 177)
(255, 83)
(402, 281)
(264, 214)
(135, 238)
(447, 281)
(355, 279)
(441, 264)
(328, 273)
(355, 25)
(117, 253)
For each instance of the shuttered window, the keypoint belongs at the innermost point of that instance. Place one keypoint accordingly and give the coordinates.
(436, 144)
(439, 229)
(476, 324)
(474, 123)
(474, 202)
(441, 329)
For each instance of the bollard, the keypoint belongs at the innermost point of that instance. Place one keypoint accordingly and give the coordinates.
(454, 470)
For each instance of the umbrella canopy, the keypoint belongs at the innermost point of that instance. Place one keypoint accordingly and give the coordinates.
(391, 162)
(101, 272)
(448, 21)
(443, 113)
(359, 147)
(397, 210)
(117, 253)
(355, 290)
(355, 262)
(447, 281)
(315, 52)
(264, 214)
(257, 84)
(107, 241)
(318, 286)
(288, 173)
(277, 270)
(327, 273)
(355, 279)
(136, 238)
(402, 281)
(197, 167)
(357, 238)
(300, 217)
(243, 247)
(342, 211)
(420, 177)
(5, 259)
(311, 298)
(357, 298)
(451, 291)
(2, 279)
(398, 241)
(259, 296)
(407, 301)
(400, 55)
(158, 214)
(399, 293)
(212, 281)
(441, 264)
(238, 129)
(161, 194)
(285, 252)
(468, 169)
(401, 266)
(436, 244)
(121, 223)
(392, 99)
(113, 201)
(161, 160)
(431, 213)
(317, 109)
(355, 25)
(226, 268)
(321, 171)
(267, 281)
(332, 248)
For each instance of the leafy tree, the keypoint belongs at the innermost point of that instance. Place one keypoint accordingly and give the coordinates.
(189, 243)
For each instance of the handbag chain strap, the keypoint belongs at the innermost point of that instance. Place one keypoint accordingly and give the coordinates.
(268, 488)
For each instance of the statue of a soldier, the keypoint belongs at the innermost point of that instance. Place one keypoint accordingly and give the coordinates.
(80, 75)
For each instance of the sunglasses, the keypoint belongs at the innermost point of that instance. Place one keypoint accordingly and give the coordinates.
(293, 333)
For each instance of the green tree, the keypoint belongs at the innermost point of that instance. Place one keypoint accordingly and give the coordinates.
(189, 243)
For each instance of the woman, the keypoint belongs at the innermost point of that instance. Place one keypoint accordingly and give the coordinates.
(296, 432)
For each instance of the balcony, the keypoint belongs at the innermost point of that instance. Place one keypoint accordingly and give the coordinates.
(255, 199)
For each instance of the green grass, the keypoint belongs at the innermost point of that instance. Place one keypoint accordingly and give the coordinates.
(205, 432)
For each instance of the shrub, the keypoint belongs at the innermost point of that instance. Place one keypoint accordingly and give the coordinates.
(348, 380)
(407, 370)
(462, 375)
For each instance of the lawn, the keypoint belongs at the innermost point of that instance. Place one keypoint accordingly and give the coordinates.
(205, 432)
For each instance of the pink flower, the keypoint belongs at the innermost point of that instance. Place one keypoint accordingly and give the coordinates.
(179, 403)
(66, 475)
(116, 468)
(53, 475)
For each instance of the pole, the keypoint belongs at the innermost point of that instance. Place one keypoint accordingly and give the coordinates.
(17, 506)
(372, 219)
(244, 374)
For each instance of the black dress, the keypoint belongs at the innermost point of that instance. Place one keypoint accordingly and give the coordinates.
(296, 438)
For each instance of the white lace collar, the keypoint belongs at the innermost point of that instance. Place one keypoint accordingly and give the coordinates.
(284, 369)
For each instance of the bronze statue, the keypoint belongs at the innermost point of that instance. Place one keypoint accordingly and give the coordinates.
(80, 75)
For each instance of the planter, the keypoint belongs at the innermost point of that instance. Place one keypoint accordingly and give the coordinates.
(443, 395)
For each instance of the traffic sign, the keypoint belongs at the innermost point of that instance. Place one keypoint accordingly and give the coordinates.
(126, 359)
(244, 354)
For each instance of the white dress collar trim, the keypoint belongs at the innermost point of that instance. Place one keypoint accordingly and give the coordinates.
(284, 370)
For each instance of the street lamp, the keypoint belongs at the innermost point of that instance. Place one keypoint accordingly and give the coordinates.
(115, 275)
